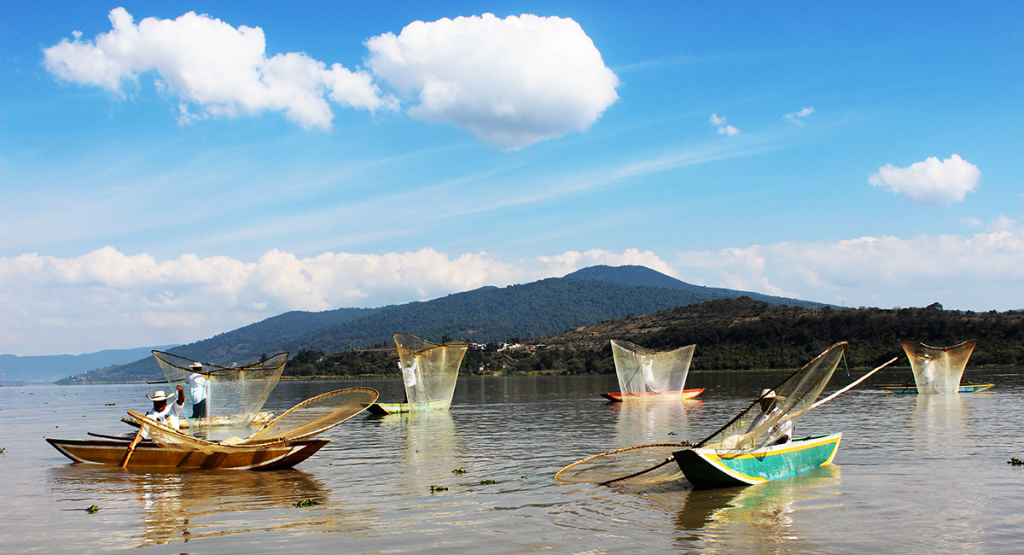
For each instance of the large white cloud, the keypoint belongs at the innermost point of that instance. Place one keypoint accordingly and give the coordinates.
(513, 81)
(930, 183)
(215, 67)
(107, 299)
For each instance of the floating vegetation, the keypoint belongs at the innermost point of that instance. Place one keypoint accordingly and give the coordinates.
(487, 482)
(459, 471)
(91, 509)
(435, 489)
(306, 503)
(671, 433)
(1014, 461)
(111, 404)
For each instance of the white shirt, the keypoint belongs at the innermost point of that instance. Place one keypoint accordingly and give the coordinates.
(168, 417)
(198, 390)
(410, 372)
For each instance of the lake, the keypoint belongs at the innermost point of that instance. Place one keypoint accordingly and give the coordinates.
(913, 473)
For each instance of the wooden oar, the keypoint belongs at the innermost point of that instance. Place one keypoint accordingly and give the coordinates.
(131, 448)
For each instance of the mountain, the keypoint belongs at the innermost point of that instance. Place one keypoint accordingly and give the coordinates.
(16, 370)
(485, 315)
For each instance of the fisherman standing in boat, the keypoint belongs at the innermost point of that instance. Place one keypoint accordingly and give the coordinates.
(164, 413)
(198, 390)
(783, 429)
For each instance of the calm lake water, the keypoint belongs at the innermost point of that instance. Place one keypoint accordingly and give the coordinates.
(913, 474)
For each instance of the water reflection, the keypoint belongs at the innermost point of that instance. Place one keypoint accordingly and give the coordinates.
(938, 421)
(432, 449)
(637, 423)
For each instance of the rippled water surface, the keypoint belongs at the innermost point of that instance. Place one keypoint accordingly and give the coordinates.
(913, 474)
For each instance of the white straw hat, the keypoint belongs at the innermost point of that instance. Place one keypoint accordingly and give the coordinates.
(160, 396)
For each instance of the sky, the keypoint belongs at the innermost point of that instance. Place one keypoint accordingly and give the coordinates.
(171, 171)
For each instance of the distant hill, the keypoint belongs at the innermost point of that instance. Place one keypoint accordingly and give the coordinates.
(17, 370)
(485, 315)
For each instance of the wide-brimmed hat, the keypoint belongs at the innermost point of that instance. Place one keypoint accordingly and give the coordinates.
(196, 365)
(770, 394)
(160, 396)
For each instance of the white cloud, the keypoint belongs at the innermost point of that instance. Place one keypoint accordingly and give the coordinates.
(796, 117)
(512, 82)
(930, 183)
(218, 69)
(723, 129)
(107, 299)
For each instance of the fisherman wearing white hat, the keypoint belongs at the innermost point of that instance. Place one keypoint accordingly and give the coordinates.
(198, 390)
(164, 413)
(783, 429)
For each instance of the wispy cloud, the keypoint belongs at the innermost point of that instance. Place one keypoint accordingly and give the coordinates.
(797, 117)
(723, 128)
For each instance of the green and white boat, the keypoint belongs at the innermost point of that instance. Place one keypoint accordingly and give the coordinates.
(716, 468)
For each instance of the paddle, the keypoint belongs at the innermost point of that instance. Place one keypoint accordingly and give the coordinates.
(790, 417)
(131, 448)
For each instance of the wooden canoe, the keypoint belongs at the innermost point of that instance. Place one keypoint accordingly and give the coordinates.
(218, 421)
(149, 454)
(912, 389)
(712, 468)
(401, 408)
(670, 396)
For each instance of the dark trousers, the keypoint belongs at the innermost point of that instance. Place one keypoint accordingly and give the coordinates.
(199, 409)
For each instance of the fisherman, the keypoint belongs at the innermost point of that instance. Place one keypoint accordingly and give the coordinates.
(198, 390)
(783, 428)
(163, 413)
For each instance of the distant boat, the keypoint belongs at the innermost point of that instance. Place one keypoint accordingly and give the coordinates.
(281, 443)
(429, 372)
(712, 468)
(681, 395)
(646, 375)
(912, 389)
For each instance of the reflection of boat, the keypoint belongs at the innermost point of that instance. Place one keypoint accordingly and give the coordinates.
(912, 389)
(282, 443)
(675, 395)
(650, 376)
(713, 468)
(429, 372)
(271, 457)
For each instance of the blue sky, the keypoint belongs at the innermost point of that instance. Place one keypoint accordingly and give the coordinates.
(171, 177)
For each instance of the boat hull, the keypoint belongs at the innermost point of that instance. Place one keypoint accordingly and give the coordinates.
(400, 408)
(649, 397)
(147, 454)
(710, 468)
(912, 389)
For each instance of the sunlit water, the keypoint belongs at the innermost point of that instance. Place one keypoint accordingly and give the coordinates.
(913, 474)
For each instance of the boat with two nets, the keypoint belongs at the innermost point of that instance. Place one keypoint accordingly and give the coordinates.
(282, 443)
(429, 372)
(650, 376)
(937, 370)
(752, 448)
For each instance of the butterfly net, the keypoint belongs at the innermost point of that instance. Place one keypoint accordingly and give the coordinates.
(234, 394)
(759, 425)
(308, 418)
(938, 369)
(429, 370)
(646, 375)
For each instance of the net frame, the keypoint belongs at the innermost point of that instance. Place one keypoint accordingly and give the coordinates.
(235, 394)
(429, 370)
(648, 375)
(358, 398)
(938, 370)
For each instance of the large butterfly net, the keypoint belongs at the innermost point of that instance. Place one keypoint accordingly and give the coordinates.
(938, 369)
(234, 394)
(646, 375)
(307, 419)
(757, 426)
(429, 370)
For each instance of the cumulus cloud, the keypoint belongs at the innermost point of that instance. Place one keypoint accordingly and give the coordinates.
(797, 117)
(723, 128)
(214, 68)
(930, 183)
(108, 299)
(512, 82)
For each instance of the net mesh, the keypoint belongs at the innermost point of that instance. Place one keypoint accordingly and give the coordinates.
(938, 369)
(235, 394)
(763, 422)
(308, 418)
(429, 371)
(646, 375)
(752, 429)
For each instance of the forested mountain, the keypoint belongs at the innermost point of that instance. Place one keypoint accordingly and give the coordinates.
(642, 275)
(485, 315)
